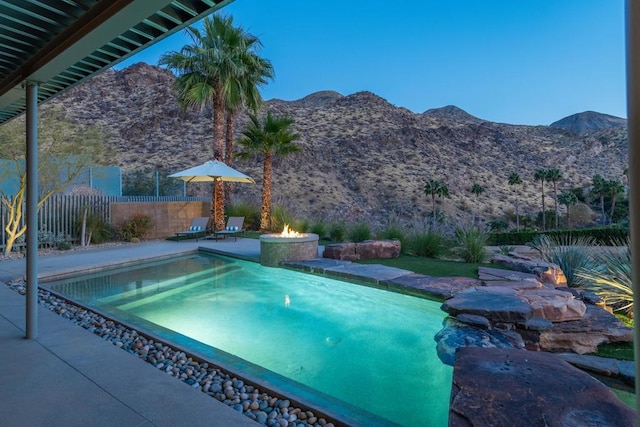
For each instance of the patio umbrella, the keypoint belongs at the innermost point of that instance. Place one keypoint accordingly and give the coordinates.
(212, 171)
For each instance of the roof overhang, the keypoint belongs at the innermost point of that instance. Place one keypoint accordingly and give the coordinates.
(60, 43)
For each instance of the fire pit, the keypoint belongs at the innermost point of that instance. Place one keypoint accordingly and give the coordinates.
(287, 246)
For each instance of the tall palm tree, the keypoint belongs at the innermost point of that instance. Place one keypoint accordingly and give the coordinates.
(554, 175)
(242, 88)
(615, 188)
(514, 179)
(568, 198)
(207, 71)
(477, 189)
(541, 175)
(435, 188)
(271, 138)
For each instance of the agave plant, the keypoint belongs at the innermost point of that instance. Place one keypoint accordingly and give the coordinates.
(571, 254)
(612, 280)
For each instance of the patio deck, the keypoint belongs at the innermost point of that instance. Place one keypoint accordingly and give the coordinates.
(68, 376)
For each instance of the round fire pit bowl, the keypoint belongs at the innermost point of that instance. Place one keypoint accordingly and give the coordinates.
(275, 249)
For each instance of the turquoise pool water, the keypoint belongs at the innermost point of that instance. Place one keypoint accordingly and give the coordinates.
(370, 348)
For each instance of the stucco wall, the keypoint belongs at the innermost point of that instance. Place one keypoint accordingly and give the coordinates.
(168, 217)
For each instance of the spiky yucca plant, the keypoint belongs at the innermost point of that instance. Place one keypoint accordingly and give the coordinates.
(471, 243)
(612, 280)
(569, 253)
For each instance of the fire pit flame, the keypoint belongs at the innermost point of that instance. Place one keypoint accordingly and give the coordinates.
(288, 232)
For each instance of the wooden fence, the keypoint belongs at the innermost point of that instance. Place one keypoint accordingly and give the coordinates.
(60, 216)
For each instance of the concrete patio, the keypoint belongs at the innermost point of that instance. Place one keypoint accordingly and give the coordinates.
(69, 376)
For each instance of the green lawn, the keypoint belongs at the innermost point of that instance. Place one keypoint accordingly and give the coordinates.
(430, 266)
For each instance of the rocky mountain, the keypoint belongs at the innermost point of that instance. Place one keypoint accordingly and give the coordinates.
(590, 121)
(362, 158)
(452, 113)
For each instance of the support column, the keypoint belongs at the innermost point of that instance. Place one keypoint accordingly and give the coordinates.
(32, 210)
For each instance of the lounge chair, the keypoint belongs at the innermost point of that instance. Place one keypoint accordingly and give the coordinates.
(198, 228)
(234, 227)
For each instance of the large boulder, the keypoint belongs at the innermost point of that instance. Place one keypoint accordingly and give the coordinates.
(341, 251)
(547, 272)
(498, 304)
(378, 249)
(503, 387)
(553, 305)
(457, 333)
(369, 249)
(581, 336)
(438, 288)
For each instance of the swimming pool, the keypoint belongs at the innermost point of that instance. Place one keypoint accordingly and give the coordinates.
(370, 348)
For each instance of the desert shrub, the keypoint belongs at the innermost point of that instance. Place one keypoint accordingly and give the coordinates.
(611, 278)
(337, 231)
(320, 228)
(135, 227)
(57, 240)
(498, 225)
(570, 253)
(303, 225)
(427, 242)
(64, 245)
(97, 228)
(280, 216)
(506, 250)
(471, 242)
(360, 232)
(250, 212)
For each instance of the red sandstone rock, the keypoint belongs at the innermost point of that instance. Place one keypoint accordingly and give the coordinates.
(553, 305)
(343, 251)
(370, 249)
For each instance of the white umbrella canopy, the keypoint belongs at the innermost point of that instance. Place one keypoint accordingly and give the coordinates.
(212, 170)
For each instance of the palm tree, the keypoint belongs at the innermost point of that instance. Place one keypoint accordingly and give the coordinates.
(208, 70)
(541, 175)
(435, 188)
(242, 88)
(477, 189)
(514, 179)
(615, 187)
(554, 175)
(599, 187)
(271, 138)
(568, 198)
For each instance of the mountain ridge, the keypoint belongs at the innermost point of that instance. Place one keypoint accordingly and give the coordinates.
(363, 158)
(589, 121)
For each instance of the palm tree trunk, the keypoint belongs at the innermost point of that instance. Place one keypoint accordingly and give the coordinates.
(265, 217)
(517, 214)
(433, 198)
(555, 201)
(604, 217)
(228, 153)
(544, 217)
(217, 211)
(613, 207)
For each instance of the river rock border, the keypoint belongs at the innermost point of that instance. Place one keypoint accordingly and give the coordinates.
(246, 398)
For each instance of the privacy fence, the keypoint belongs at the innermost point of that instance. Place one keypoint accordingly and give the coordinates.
(61, 215)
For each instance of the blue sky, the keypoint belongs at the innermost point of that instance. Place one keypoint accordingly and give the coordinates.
(512, 61)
